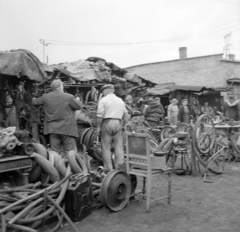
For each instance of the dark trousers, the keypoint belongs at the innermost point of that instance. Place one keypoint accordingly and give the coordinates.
(62, 143)
(111, 137)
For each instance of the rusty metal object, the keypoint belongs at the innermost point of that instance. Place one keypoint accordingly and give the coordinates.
(115, 190)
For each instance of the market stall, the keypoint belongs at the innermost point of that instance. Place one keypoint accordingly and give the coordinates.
(196, 96)
(29, 171)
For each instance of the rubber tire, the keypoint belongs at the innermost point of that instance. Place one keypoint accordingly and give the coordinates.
(46, 165)
(35, 173)
(77, 163)
(169, 127)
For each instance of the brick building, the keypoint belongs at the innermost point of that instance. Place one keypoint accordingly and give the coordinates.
(208, 71)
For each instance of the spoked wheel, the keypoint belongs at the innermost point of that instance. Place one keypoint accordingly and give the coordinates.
(156, 134)
(115, 190)
(218, 156)
(183, 127)
(204, 134)
(167, 132)
(210, 149)
(153, 145)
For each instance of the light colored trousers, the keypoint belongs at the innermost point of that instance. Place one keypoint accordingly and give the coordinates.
(111, 137)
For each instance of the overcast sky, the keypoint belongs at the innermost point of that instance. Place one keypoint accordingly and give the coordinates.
(125, 32)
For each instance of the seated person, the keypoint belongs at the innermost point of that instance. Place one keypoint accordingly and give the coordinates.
(130, 107)
(206, 109)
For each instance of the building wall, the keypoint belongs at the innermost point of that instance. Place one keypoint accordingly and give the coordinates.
(209, 71)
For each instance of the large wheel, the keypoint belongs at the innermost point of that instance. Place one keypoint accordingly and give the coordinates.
(115, 190)
(204, 134)
(167, 132)
(210, 148)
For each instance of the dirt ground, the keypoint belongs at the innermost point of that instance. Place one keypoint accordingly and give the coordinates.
(196, 207)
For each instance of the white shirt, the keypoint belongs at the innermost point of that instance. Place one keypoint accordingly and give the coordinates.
(111, 106)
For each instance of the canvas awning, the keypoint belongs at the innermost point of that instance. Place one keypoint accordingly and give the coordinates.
(23, 63)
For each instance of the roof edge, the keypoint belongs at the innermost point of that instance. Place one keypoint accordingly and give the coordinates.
(158, 62)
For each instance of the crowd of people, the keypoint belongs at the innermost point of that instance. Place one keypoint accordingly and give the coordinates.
(112, 115)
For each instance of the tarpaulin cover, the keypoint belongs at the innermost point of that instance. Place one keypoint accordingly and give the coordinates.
(83, 70)
(22, 63)
(121, 72)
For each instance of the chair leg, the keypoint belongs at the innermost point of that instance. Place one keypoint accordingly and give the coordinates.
(144, 185)
(169, 187)
(149, 188)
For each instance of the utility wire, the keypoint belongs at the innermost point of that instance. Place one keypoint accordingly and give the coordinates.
(145, 42)
(37, 48)
(32, 44)
(183, 38)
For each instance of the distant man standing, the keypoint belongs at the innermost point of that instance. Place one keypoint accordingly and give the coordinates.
(111, 116)
(59, 121)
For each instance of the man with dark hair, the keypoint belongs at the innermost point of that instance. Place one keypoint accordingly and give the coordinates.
(59, 121)
(111, 116)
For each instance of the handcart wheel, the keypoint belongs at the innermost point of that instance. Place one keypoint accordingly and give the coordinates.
(167, 132)
(204, 134)
(115, 190)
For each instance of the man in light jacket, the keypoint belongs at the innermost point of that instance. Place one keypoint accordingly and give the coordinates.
(111, 117)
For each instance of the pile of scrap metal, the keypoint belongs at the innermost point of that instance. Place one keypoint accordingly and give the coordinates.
(84, 78)
(52, 186)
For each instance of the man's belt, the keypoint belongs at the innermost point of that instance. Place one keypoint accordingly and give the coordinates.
(112, 119)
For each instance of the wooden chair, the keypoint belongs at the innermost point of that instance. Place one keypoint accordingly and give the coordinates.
(140, 162)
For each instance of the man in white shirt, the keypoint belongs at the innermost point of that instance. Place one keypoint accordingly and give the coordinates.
(111, 116)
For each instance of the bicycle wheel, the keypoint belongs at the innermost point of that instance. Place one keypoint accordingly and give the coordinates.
(183, 127)
(204, 134)
(153, 145)
(214, 160)
(167, 132)
(156, 133)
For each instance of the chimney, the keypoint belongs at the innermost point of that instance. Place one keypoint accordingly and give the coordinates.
(231, 57)
(182, 53)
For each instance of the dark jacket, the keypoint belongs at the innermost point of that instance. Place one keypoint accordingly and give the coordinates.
(183, 114)
(230, 112)
(59, 110)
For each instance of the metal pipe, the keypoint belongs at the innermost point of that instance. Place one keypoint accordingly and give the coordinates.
(4, 226)
(22, 228)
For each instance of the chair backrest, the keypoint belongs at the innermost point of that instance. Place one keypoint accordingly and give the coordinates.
(138, 153)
